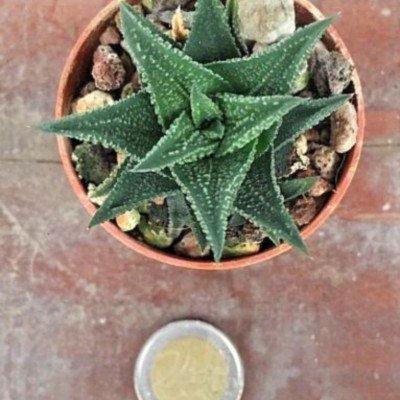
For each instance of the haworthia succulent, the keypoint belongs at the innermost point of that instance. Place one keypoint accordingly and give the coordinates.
(168, 74)
(211, 189)
(206, 136)
(293, 188)
(206, 45)
(182, 143)
(305, 116)
(129, 125)
(261, 201)
(275, 70)
(130, 191)
(247, 117)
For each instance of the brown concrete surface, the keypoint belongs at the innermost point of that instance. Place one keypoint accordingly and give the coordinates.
(76, 306)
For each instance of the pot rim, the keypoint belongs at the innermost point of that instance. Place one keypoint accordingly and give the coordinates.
(64, 146)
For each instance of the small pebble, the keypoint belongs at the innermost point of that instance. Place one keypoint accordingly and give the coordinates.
(331, 71)
(108, 70)
(266, 21)
(157, 5)
(189, 247)
(325, 161)
(128, 221)
(321, 187)
(304, 210)
(110, 36)
(92, 101)
(344, 128)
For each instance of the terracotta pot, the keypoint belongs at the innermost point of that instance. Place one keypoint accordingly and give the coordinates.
(76, 72)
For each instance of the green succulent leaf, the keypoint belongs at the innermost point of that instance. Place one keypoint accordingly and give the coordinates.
(211, 189)
(294, 188)
(261, 201)
(99, 193)
(214, 131)
(282, 159)
(178, 212)
(168, 73)
(182, 143)
(307, 115)
(129, 125)
(267, 138)
(132, 189)
(247, 117)
(180, 215)
(203, 108)
(232, 11)
(210, 38)
(275, 70)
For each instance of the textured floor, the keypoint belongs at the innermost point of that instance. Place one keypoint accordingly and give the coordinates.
(76, 306)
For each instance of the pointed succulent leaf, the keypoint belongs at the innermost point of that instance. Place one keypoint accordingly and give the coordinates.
(182, 143)
(247, 117)
(129, 125)
(214, 131)
(293, 188)
(211, 189)
(267, 138)
(307, 115)
(130, 190)
(282, 157)
(210, 38)
(203, 108)
(167, 73)
(180, 215)
(232, 11)
(260, 200)
(275, 70)
(99, 193)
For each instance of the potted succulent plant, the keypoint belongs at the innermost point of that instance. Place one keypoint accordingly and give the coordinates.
(200, 147)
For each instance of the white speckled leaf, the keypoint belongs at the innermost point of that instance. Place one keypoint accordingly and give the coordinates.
(211, 186)
(210, 38)
(282, 159)
(232, 11)
(293, 188)
(305, 116)
(261, 201)
(181, 144)
(180, 215)
(129, 125)
(275, 70)
(247, 117)
(167, 72)
(203, 108)
(267, 138)
(132, 189)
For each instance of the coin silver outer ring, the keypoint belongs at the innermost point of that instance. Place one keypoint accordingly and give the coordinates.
(178, 330)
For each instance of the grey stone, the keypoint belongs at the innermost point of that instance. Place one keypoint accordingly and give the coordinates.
(157, 5)
(266, 21)
(332, 72)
